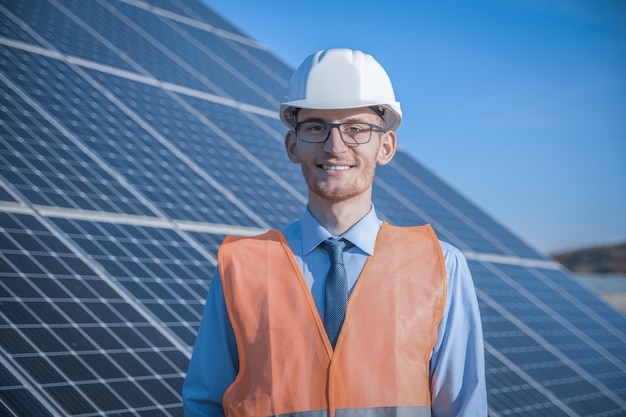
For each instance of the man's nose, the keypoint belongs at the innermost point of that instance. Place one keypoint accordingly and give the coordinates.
(334, 140)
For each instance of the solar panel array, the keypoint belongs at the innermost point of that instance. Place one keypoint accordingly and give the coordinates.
(134, 136)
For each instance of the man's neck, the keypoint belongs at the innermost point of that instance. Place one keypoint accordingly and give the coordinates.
(338, 217)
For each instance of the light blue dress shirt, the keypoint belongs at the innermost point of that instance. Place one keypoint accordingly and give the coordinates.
(457, 369)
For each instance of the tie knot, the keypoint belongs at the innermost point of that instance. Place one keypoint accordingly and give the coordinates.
(335, 248)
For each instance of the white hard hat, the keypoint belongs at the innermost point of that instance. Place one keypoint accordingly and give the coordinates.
(341, 79)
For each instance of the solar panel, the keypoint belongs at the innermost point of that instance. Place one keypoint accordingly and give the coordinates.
(134, 136)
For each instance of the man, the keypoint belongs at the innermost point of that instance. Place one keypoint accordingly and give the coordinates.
(277, 337)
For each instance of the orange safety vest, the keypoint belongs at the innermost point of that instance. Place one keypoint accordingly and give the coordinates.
(380, 364)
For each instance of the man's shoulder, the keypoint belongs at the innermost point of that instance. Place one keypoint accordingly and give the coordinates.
(456, 263)
(451, 252)
(449, 248)
(270, 235)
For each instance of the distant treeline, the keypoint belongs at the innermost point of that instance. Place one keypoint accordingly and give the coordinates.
(597, 259)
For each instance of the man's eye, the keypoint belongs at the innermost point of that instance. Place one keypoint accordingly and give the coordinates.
(315, 127)
(353, 129)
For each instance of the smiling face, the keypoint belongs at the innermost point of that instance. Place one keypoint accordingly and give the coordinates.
(336, 172)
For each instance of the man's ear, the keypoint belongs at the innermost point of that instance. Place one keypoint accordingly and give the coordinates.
(291, 141)
(387, 148)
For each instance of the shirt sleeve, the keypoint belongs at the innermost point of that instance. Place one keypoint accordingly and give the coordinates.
(214, 361)
(458, 362)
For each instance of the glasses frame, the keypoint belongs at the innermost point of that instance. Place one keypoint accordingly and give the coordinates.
(373, 127)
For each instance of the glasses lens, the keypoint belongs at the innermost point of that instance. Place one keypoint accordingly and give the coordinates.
(351, 133)
(355, 132)
(313, 131)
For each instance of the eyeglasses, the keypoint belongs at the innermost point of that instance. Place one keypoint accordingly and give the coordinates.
(352, 133)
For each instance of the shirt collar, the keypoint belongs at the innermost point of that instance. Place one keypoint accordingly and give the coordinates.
(362, 234)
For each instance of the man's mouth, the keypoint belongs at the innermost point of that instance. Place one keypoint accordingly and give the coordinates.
(335, 167)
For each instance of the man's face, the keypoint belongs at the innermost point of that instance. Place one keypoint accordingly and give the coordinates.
(333, 170)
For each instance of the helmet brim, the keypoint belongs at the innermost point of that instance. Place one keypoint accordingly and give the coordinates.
(392, 117)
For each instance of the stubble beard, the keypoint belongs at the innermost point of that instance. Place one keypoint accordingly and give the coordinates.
(337, 193)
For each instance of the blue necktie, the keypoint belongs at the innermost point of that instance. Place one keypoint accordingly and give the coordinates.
(336, 289)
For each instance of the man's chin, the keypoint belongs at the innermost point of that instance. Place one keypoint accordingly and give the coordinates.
(333, 193)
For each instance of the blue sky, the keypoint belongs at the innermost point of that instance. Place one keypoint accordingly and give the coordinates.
(519, 105)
